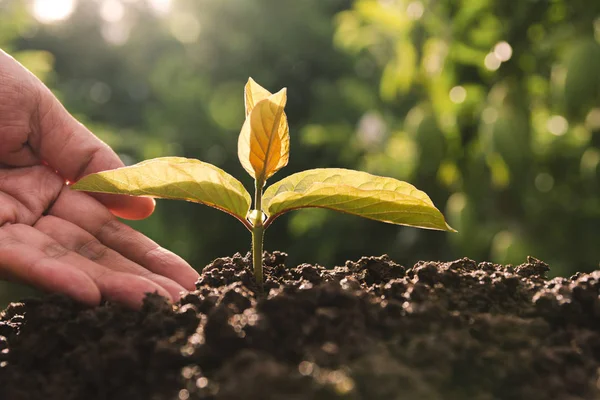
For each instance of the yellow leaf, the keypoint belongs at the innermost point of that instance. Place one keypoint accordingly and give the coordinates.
(253, 93)
(354, 192)
(174, 178)
(264, 141)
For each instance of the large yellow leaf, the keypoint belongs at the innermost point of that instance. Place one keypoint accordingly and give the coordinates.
(354, 192)
(263, 144)
(174, 178)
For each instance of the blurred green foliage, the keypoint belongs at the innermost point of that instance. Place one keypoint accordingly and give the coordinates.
(492, 107)
(500, 104)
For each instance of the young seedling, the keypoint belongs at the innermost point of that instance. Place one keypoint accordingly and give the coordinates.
(263, 149)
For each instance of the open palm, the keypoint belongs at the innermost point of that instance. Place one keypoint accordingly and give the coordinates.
(61, 240)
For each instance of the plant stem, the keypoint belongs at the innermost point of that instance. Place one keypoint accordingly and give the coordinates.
(258, 234)
(257, 253)
(258, 196)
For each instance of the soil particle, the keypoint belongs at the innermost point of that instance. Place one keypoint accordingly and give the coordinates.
(370, 329)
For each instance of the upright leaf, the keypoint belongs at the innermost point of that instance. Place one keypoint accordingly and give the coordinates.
(263, 144)
(253, 93)
(354, 192)
(174, 178)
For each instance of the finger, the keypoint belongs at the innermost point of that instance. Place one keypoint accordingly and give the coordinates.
(127, 207)
(88, 214)
(27, 264)
(56, 137)
(115, 286)
(83, 243)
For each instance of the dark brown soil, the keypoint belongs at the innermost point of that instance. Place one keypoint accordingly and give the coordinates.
(369, 330)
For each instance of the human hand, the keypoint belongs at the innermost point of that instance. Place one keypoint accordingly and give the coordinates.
(60, 240)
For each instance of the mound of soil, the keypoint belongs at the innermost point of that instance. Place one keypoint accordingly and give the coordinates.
(368, 330)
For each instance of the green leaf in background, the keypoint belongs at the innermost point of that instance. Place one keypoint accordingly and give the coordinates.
(354, 192)
(174, 178)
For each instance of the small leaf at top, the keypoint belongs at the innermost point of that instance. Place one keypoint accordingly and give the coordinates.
(263, 144)
(174, 178)
(253, 93)
(354, 192)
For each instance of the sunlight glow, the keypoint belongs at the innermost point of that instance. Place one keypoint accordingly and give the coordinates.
(49, 11)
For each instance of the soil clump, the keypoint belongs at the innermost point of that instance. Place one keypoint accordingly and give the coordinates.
(371, 329)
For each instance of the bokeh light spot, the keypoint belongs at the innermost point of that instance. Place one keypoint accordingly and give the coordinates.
(458, 94)
(306, 368)
(503, 51)
(49, 11)
(100, 92)
(489, 115)
(371, 129)
(112, 10)
(590, 163)
(116, 34)
(202, 382)
(415, 10)
(160, 6)
(557, 125)
(592, 120)
(185, 27)
(492, 62)
(387, 3)
(544, 182)
(597, 29)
